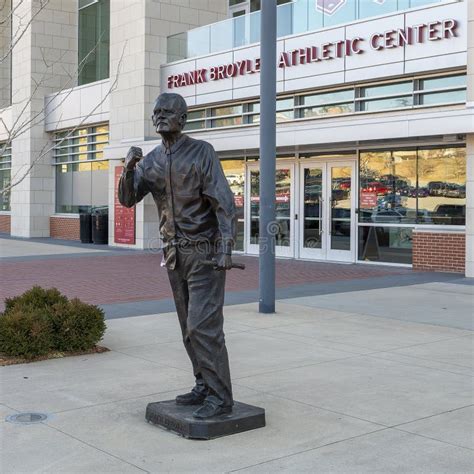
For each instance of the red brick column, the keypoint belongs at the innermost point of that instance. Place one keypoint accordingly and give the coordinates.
(5, 223)
(439, 251)
(64, 228)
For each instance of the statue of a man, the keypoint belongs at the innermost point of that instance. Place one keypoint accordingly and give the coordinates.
(197, 222)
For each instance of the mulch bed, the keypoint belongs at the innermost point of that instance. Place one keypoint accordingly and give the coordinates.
(10, 360)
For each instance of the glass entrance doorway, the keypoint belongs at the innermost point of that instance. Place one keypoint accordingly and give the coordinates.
(284, 227)
(315, 210)
(327, 209)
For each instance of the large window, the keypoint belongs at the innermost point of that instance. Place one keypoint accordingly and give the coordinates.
(400, 189)
(405, 94)
(326, 103)
(81, 172)
(5, 53)
(5, 175)
(94, 33)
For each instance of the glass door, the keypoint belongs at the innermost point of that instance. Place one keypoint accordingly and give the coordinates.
(284, 226)
(327, 211)
(340, 212)
(312, 179)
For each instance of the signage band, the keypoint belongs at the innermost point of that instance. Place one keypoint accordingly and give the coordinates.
(395, 38)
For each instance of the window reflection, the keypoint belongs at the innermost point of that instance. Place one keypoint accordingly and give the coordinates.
(282, 206)
(327, 110)
(328, 97)
(442, 186)
(385, 244)
(449, 97)
(389, 89)
(313, 188)
(388, 187)
(383, 104)
(424, 186)
(82, 183)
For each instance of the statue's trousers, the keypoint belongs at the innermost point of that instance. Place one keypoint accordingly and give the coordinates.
(198, 292)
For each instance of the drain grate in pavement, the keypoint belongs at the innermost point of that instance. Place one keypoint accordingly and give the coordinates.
(27, 418)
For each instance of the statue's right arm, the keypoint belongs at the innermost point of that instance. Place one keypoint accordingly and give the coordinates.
(132, 186)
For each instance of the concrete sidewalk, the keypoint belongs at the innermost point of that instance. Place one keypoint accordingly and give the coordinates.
(351, 383)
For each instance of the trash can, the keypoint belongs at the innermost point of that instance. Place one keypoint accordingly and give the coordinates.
(85, 228)
(100, 226)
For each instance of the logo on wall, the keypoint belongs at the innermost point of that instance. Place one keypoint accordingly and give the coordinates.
(329, 7)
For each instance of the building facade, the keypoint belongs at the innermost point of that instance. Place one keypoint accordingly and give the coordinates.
(375, 129)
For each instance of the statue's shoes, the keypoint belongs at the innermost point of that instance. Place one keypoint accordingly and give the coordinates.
(191, 398)
(210, 409)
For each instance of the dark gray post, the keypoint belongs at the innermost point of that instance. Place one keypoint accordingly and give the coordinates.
(267, 155)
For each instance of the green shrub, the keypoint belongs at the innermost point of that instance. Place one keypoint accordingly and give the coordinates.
(37, 297)
(25, 332)
(43, 320)
(77, 326)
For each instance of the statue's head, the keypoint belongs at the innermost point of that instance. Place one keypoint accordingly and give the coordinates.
(170, 113)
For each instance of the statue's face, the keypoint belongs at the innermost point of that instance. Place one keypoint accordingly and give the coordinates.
(167, 117)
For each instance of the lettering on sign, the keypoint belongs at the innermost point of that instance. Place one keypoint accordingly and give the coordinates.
(379, 41)
(169, 423)
(124, 217)
(368, 200)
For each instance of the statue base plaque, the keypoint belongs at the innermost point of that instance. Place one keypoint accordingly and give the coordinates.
(180, 420)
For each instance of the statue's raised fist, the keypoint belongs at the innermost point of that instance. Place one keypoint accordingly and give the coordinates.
(134, 155)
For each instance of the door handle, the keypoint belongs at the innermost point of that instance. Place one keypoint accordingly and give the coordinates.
(320, 216)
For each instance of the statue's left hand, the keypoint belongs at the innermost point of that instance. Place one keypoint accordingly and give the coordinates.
(223, 261)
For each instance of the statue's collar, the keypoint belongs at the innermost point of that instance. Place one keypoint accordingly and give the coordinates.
(175, 146)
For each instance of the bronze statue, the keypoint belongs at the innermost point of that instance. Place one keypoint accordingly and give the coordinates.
(197, 224)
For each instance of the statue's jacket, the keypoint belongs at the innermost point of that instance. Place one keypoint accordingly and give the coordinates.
(194, 199)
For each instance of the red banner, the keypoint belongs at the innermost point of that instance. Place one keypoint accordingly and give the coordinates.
(124, 217)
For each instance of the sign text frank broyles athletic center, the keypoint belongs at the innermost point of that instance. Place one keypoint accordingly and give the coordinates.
(379, 41)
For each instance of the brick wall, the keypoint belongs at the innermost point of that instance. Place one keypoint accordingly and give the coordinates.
(439, 251)
(5, 224)
(64, 228)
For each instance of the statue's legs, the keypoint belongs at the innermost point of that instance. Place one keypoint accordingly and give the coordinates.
(198, 292)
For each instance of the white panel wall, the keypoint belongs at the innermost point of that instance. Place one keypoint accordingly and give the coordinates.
(80, 105)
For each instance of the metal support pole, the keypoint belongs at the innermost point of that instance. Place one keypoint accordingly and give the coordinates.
(267, 225)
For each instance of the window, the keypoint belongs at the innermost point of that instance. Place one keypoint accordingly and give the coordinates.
(388, 187)
(6, 63)
(228, 116)
(5, 175)
(420, 186)
(418, 92)
(81, 172)
(386, 96)
(94, 32)
(285, 111)
(442, 186)
(442, 90)
(196, 120)
(385, 244)
(403, 188)
(326, 103)
(255, 5)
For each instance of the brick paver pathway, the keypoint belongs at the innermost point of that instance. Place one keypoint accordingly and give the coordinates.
(110, 279)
